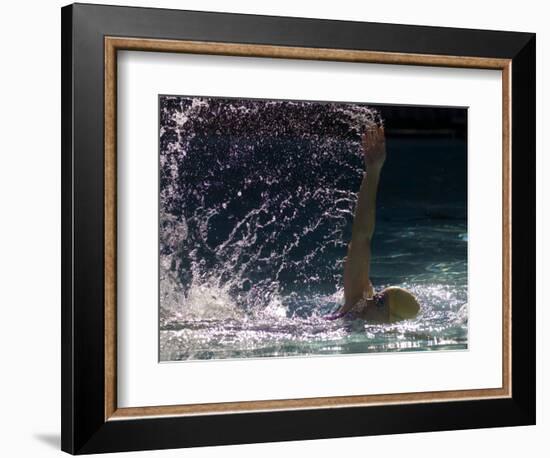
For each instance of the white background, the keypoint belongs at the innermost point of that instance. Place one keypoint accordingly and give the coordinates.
(142, 381)
(30, 230)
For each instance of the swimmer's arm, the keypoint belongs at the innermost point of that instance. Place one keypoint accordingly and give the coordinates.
(374, 149)
(357, 263)
(364, 219)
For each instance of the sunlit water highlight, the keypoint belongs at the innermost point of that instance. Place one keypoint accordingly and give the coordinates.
(257, 202)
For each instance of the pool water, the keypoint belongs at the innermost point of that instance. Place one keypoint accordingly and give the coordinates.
(254, 227)
(438, 279)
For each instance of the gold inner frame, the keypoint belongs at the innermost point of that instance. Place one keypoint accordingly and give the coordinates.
(112, 45)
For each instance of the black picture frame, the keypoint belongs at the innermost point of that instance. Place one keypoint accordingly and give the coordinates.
(84, 427)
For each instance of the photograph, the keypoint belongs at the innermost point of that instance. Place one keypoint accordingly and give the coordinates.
(298, 228)
(277, 217)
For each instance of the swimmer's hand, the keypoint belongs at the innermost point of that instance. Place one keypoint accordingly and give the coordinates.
(373, 141)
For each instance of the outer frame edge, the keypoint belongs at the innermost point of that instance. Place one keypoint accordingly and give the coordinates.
(67, 382)
(196, 431)
(524, 235)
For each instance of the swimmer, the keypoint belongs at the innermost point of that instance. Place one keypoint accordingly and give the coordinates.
(360, 299)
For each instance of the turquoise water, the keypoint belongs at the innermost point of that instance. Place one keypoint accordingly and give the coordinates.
(439, 282)
(255, 220)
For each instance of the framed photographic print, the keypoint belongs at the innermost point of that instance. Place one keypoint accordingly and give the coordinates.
(282, 228)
